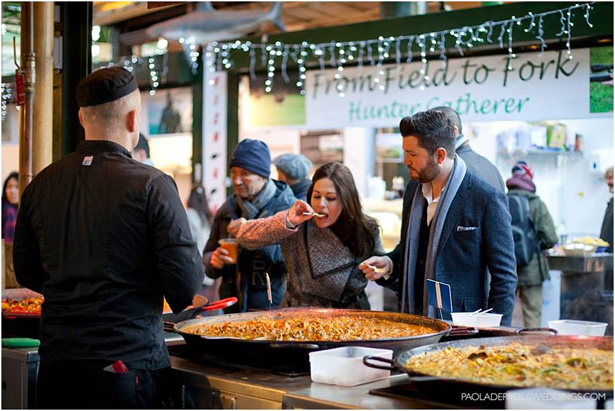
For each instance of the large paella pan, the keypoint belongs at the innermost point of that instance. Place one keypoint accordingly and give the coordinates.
(577, 364)
(222, 337)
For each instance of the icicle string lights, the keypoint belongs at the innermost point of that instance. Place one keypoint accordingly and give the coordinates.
(337, 54)
(377, 51)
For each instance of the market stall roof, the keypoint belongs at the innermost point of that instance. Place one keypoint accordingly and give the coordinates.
(296, 15)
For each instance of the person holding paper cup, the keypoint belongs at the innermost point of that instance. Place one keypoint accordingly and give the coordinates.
(322, 242)
(456, 228)
(256, 196)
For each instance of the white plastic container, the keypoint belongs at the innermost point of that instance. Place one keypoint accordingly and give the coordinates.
(344, 366)
(576, 327)
(477, 320)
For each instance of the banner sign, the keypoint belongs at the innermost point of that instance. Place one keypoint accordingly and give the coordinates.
(491, 88)
(214, 138)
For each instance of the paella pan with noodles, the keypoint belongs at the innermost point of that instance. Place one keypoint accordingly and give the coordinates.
(310, 328)
(522, 365)
(289, 335)
(571, 363)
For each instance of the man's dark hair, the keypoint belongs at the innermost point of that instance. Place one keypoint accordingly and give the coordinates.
(452, 115)
(433, 130)
(142, 145)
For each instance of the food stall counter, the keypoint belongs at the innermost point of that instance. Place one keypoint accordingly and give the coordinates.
(583, 295)
(198, 383)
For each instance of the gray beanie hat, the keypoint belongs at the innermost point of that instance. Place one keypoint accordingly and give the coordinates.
(294, 166)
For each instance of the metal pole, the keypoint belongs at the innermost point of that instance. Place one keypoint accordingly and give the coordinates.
(29, 65)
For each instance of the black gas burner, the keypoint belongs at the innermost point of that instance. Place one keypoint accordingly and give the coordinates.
(243, 361)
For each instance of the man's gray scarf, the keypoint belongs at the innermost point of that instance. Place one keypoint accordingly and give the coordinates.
(251, 209)
(414, 231)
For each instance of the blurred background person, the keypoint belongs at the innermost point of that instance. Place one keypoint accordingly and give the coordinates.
(141, 151)
(531, 274)
(606, 232)
(322, 242)
(294, 169)
(199, 216)
(200, 219)
(10, 203)
(170, 120)
(476, 164)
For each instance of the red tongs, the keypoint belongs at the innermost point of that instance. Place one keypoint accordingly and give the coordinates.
(218, 305)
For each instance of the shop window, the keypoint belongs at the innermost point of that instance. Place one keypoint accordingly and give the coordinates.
(323, 146)
(389, 162)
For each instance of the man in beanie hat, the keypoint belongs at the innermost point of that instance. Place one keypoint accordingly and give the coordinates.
(256, 196)
(540, 229)
(294, 169)
(104, 238)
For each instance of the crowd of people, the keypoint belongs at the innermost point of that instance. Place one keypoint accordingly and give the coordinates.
(104, 237)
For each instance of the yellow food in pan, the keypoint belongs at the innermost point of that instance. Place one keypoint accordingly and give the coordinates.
(339, 328)
(521, 365)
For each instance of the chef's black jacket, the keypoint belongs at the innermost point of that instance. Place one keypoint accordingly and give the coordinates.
(104, 237)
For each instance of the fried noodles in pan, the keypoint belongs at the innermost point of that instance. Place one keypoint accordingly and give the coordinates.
(521, 365)
(338, 328)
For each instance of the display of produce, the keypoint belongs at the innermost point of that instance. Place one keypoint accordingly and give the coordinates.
(587, 240)
(24, 306)
(521, 365)
(304, 328)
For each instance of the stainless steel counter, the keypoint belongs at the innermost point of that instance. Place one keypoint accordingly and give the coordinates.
(572, 265)
(19, 374)
(201, 385)
(319, 396)
(585, 292)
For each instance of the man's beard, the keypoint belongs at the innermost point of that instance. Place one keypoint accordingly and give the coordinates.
(428, 173)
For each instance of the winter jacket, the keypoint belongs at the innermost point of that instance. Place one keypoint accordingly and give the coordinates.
(537, 270)
(246, 280)
(104, 238)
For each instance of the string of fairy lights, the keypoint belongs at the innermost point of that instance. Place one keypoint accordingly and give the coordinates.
(275, 57)
(338, 55)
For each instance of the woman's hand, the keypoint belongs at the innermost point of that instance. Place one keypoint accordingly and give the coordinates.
(295, 214)
(234, 226)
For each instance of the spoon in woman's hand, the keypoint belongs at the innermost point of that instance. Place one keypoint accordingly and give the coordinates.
(313, 213)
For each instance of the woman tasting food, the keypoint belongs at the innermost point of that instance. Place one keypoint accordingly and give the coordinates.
(322, 244)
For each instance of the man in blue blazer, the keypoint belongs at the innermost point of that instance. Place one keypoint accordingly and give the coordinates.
(456, 228)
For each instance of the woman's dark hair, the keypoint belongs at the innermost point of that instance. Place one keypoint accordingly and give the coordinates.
(353, 228)
(14, 175)
(432, 128)
(198, 201)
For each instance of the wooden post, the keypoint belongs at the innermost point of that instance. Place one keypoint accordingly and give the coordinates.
(42, 144)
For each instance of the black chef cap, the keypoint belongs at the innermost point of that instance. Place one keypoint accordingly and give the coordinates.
(105, 85)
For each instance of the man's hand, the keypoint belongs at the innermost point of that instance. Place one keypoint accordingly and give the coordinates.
(234, 226)
(295, 214)
(375, 267)
(220, 258)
